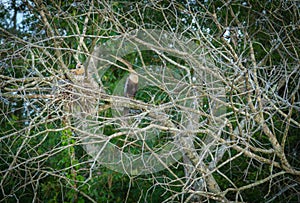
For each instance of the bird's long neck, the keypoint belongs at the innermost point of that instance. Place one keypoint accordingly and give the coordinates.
(129, 66)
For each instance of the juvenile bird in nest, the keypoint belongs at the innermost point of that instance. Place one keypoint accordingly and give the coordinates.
(85, 93)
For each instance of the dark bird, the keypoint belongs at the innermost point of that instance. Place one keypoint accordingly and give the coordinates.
(131, 84)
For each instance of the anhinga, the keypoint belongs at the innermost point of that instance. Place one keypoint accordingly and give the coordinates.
(131, 84)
